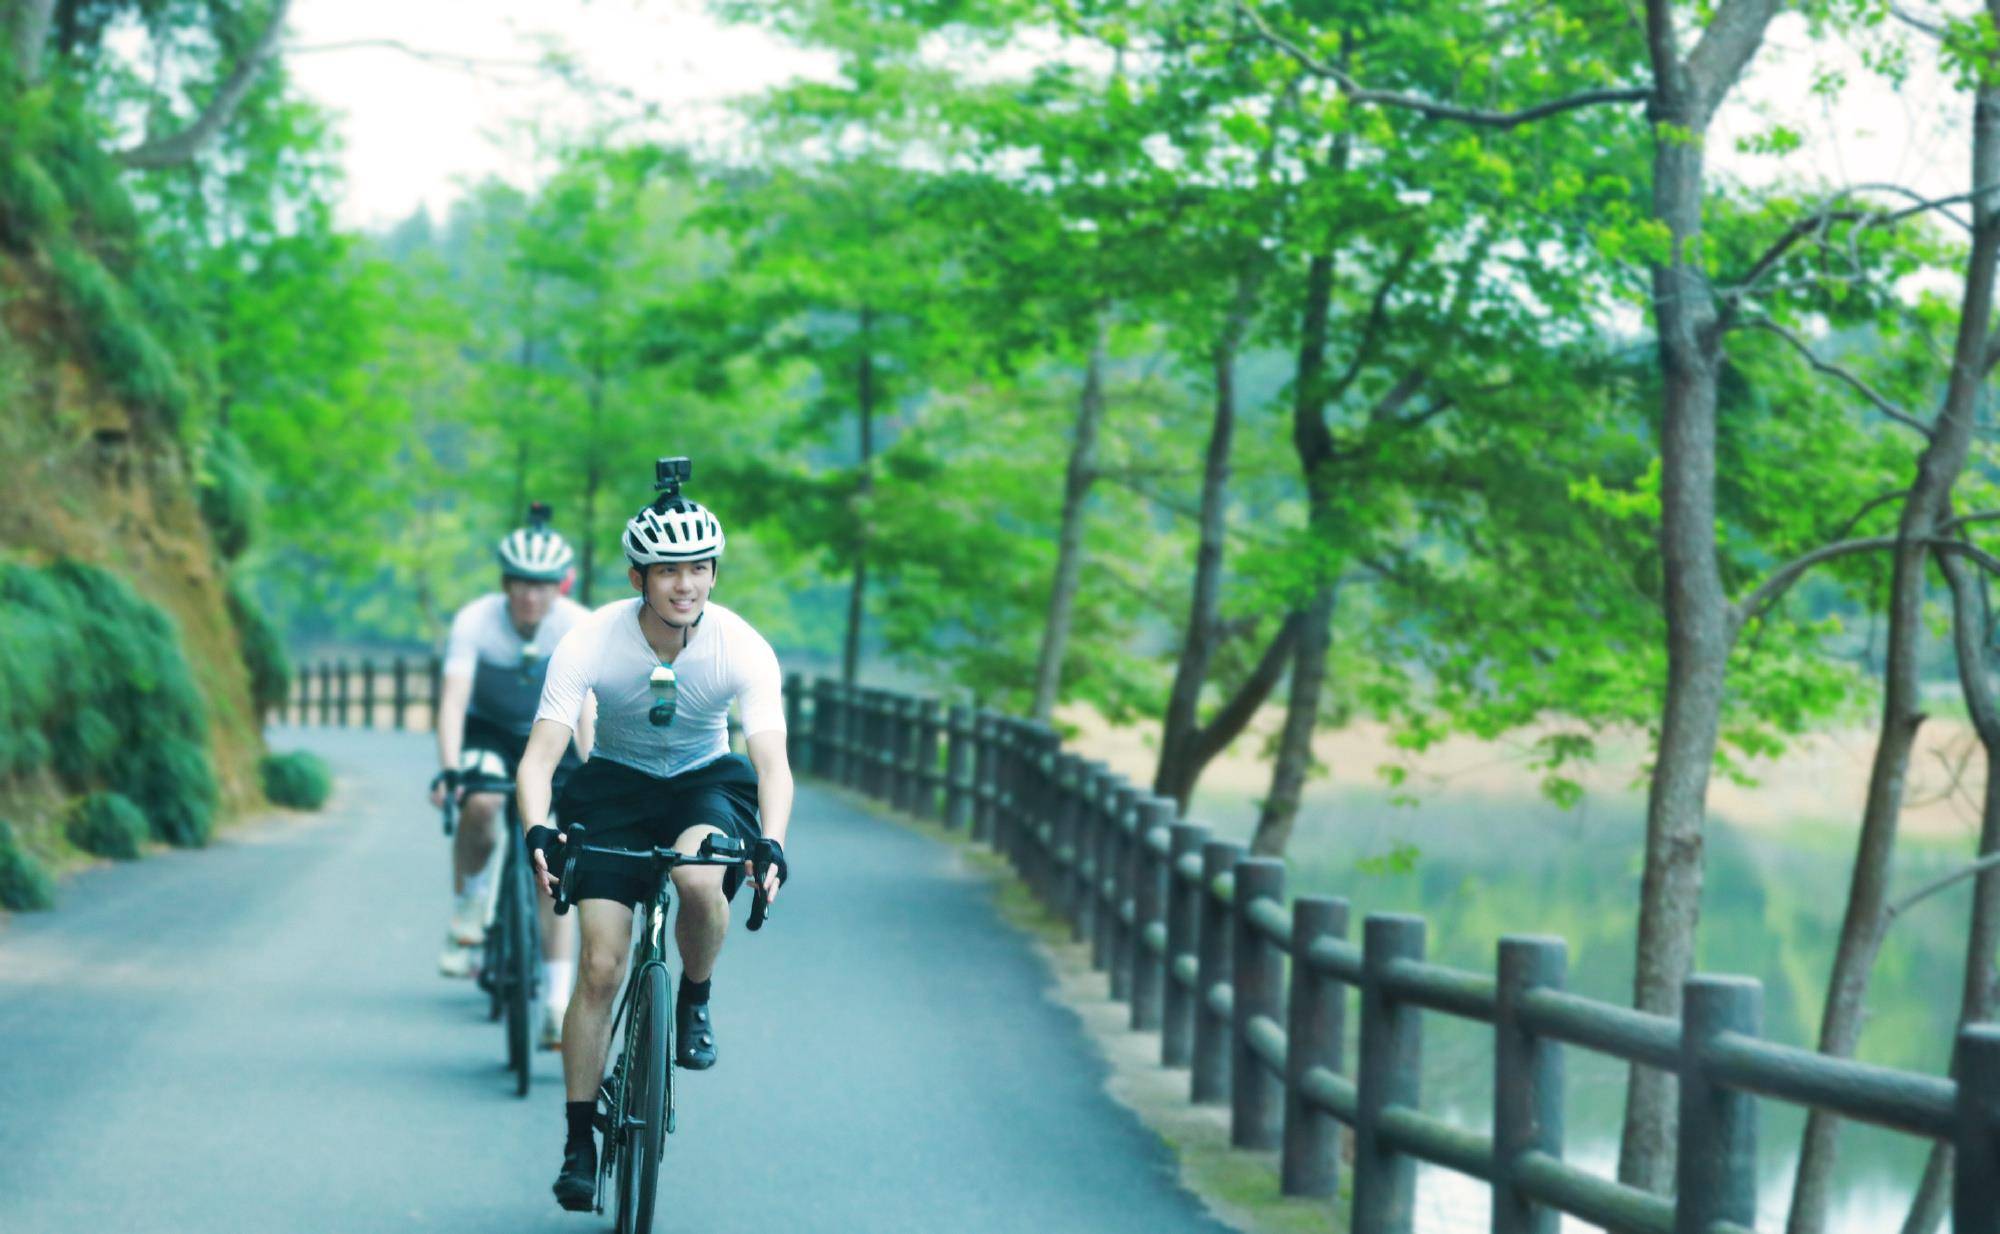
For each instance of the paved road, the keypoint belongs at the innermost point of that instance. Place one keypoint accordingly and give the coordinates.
(252, 1038)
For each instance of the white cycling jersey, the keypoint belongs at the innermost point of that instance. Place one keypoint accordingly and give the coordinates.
(726, 660)
(506, 669)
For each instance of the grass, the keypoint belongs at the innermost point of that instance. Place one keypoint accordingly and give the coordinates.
(107, 825)
(25, 885)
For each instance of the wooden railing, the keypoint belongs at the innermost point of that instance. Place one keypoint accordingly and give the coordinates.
(1251, 993)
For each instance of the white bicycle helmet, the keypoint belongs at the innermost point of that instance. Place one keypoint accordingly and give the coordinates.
(675, 529)
(534, 552)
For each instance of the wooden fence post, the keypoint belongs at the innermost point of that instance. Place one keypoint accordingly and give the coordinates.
(343, 673)
(400, 684)
(1210, 1084)
(1976, 1144)
(368, 693)
(1183, 937)
(958, 785)
(1715, 1175)
(1123, 882)
(1317, 1023)
(1149, 910)
(985, 768)
(797, 741)
(1257, 967)
(1527, 1082)
(930, 718)
(326, 693)
(1389, 1073)
(437, 689)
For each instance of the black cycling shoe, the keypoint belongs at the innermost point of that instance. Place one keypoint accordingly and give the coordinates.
(694, 1036)
(576, 1186)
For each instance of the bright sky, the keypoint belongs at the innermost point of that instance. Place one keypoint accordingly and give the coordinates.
(416, 130)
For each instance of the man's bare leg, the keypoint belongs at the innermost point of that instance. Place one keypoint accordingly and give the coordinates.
(703, 918)
(472, 845)
(606, 930)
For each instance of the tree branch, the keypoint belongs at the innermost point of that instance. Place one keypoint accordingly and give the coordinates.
(470, 64)
(1952, 525)
(1378, 309)
(1985, 560)
(1847, 528)
(154, 153)
(1867, 391)
(1358, 93)
(1938, 884)
(1732, 37)
(1914, 22)
(1208, 740)
(1768, 592)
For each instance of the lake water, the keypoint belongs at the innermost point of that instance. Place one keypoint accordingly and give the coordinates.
(1771, 906)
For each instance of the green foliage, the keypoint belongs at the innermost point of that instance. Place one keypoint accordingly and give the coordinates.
(227, 486)
(299, 780)
(263, 651)
(25, 885)
(124, 351)
(107, 825)
(99, 674)
(31, 203)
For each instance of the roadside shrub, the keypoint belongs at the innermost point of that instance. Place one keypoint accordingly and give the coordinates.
(299, 779)
(263, 652)
(24, 885)
(173, 784)
(228, 492)
(107, 825)
(94, 686)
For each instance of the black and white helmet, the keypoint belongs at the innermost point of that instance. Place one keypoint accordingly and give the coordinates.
(675, 529)
(534, 552)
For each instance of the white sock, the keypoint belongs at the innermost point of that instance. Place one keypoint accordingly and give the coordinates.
(475, 887)
(557, 976)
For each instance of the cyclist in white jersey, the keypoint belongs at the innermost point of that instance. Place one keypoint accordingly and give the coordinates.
(656, 779)
(495, 660)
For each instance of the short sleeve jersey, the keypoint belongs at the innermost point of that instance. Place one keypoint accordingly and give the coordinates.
(506, 669)
(725, 661)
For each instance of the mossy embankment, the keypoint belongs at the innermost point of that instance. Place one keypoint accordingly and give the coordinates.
(123, 663)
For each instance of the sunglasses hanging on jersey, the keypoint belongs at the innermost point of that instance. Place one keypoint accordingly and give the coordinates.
(666, 692)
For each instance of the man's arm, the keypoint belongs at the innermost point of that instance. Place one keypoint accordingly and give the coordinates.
(774, 790)
(531, 784)
(454, 694)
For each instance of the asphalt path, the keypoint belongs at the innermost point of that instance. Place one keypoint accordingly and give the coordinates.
(253, 1038)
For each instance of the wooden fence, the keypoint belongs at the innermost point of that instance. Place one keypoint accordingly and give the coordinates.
(1251, 994)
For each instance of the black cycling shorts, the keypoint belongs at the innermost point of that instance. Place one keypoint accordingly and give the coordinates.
(481, 734)
(622, 807)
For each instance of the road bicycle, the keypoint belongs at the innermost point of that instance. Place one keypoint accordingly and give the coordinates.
(635, 1100)
(510, 970)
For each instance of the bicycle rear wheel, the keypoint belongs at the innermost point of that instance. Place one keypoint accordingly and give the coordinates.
(517, 914)
(642, 1106)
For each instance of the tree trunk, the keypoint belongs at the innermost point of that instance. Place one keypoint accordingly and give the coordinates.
(28, 35)
(1294, 763)
(1971, 622)
(864, 383)
(1178, 768)
(593, 479)
(1866, 920)
(1698, 631)
(1069, 554)
(1315, 450)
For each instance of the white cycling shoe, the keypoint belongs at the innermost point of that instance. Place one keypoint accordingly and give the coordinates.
(468, 919)
(457, 961)
(552, 1021)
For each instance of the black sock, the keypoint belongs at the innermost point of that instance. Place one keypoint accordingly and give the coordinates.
(582, 1119)
(693, 993)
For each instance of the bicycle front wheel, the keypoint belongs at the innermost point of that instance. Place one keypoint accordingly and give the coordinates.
(642, 1107)
(518, 981)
